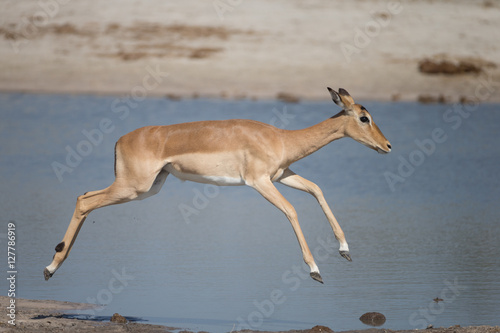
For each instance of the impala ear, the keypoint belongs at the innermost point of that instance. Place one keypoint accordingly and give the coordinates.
(346, 98)
(335, 97)
(342, 98)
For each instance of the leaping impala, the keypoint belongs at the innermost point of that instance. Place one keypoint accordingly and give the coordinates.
(227, 152)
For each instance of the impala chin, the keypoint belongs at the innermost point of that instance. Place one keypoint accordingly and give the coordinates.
(377, 147)
(381, 151)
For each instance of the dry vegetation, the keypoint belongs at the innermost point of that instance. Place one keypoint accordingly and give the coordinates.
(287, 97)
(441, 64)
(140, 40)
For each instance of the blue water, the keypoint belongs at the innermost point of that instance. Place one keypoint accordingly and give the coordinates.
(421, 222)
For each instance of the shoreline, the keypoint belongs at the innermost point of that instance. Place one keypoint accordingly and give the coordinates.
(288, 98)
(48, 316)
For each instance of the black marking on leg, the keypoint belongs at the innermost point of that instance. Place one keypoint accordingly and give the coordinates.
(116, 144)
(60, 247)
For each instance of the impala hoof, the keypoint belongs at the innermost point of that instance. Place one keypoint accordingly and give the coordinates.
(47, 274)
(346, 255)
(317, 277)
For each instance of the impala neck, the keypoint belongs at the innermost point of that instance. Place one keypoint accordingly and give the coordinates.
(308, 140)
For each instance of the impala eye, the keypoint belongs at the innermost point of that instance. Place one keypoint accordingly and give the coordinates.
(364, 119)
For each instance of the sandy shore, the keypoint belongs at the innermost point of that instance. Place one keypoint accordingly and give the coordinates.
(46, 316)
(252, 49)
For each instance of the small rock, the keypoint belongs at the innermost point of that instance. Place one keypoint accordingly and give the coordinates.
(429, 99)
(117, 318)
(372, 319)
(287, 97)
(320, 329)
(430, 326)
(173, 97)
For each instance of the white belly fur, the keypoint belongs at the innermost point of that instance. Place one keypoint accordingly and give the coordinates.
(219, 168)
(206, 179)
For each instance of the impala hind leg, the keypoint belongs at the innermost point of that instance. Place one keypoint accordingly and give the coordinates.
(119, 192)
(266, 188)
(293, 180)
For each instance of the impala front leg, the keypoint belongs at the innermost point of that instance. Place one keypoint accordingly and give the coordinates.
(289, 178)
(266, 188)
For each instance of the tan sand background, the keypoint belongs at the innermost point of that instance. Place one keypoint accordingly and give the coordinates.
(250, 48)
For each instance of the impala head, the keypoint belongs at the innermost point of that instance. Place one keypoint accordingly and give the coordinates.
(360, 125)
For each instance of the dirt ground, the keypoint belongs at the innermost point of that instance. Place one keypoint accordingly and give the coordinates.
(430, 50)
(46, 316)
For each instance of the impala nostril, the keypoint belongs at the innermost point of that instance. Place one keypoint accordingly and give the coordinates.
(389, 146)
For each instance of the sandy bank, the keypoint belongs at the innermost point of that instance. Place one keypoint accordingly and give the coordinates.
(46, 316)
(251, 49)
